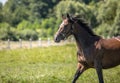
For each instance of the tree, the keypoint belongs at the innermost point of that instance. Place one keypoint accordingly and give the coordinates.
(44, 16)
(108, 14)
(76, 8)
(1, 14)
(116, 26)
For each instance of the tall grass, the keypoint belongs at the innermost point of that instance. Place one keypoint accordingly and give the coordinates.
(56, 64)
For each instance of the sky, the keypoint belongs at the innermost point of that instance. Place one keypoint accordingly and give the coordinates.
(3, 1)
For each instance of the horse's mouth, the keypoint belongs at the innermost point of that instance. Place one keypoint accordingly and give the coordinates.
(59, 37)
(57, 40)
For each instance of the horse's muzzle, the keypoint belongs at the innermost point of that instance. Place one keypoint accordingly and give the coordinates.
(56, 39)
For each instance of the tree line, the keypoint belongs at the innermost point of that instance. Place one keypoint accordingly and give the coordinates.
(27, 19)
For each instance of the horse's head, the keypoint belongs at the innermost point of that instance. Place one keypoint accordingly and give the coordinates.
(65, 29)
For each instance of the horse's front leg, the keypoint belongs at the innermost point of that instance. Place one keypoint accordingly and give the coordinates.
(80, 69)
(98, 66)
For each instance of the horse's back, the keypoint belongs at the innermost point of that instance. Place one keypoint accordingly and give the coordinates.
(112, 43)
(111, 56)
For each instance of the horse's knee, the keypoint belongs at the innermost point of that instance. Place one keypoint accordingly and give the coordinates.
(79, 71)
(80, 67)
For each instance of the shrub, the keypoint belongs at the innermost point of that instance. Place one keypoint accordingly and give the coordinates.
(7, 32)
(26, 34)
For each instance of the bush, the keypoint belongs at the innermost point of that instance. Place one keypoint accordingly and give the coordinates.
(7, 32)
(26, 34)
(103, 30)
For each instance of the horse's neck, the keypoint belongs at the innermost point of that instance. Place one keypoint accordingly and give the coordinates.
(83, 38)
(82, 41)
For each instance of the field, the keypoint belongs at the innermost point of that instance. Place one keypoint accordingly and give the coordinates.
(54, 64)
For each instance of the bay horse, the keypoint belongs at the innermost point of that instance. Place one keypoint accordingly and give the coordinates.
(93, 50)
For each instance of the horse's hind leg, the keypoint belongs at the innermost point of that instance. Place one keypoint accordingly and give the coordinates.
(80, 69)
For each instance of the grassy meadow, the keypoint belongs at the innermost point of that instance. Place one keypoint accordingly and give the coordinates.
(55, 64)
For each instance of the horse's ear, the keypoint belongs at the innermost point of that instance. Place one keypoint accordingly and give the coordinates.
(63, 17)
(68, 16)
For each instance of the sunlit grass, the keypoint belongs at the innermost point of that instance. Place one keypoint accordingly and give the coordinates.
(56, 64)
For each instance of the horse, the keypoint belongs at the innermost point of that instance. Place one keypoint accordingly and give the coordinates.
(93, 51)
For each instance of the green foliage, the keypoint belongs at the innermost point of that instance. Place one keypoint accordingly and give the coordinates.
(103, 30)
(27, 10)
(1, 14)
(56, 64)
(76, 8)
(48, 26)
(71, 7)
(28, 25)
(7, 32)
(108, 17)
(116, 26)
(107, 11)
(44, 16)
(27, 34)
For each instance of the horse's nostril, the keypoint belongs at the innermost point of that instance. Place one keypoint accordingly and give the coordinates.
(56, 39)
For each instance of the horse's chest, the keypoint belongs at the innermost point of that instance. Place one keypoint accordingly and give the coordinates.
(85, 58)
(85, 61)
(81, 59)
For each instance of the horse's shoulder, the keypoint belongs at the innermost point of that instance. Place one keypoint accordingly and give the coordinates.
(98, 44)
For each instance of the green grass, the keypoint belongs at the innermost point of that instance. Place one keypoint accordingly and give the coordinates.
(56, 64)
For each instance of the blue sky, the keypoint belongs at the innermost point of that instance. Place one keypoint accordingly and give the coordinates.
(3, 1)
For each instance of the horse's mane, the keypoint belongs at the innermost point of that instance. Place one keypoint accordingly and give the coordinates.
(84, 25)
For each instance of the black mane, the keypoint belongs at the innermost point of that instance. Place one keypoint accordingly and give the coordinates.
(84, 25)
